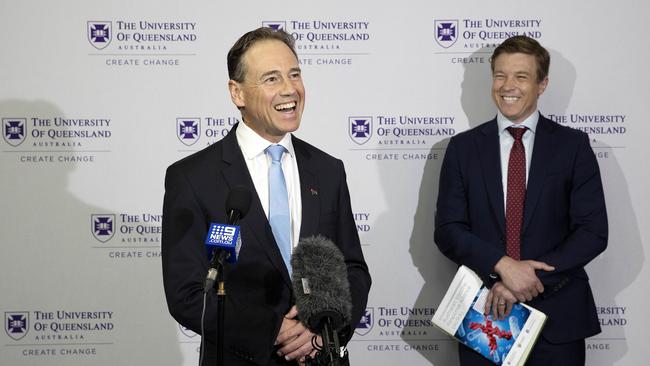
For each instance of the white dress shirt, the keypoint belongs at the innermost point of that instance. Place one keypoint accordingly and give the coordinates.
(506, 140)
(252, 146)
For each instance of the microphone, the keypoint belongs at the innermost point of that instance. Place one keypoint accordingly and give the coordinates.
(223, 241)
(237, 204)
(322, 293)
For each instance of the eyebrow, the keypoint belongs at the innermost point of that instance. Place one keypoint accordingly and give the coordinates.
(522, 72)
(268, 73)
(277, 72)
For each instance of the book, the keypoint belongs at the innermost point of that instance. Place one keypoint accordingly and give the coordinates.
(504, 342)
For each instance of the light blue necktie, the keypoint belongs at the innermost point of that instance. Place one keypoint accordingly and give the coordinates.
(279, 216)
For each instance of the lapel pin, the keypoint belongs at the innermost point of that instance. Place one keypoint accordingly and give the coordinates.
(313, 192)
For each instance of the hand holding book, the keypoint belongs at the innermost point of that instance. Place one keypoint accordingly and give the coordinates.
(462, 315)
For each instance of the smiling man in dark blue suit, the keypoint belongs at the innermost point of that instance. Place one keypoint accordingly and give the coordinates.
(521, 203)
(261, 325)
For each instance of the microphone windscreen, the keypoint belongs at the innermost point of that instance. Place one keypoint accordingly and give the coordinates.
(239, 200)
(320, 283)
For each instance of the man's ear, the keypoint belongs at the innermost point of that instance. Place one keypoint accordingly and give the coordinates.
(542, 86)
(236, 93)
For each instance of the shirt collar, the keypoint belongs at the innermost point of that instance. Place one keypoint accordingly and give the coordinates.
(530, 122)
(252, 144)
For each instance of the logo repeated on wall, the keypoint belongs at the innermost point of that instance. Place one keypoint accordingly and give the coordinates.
(446, 32)
(612, 316)
(17, 324)
(57, 139)
(126, 235)
(277, 25)
(399, 137)
(142, 42)
(188, 130)
(613, 321)
(472, 40)
(360, 129)
(102, 227)
(99, 34)
(15, 130)
(201, 132)
(397, 329)
(366, 323)
(327, 42)
(604, 130)
(362, 220)
(50, 334)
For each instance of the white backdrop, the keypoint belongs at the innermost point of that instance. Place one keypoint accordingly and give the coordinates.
(89, 124)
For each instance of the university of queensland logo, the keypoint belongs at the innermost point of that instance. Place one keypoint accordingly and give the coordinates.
(277, 25)
(367, 321)
(14, 130)
(188, 130)
(360, 129)
(446, 32)
(99, 34)
(16, 324)
(103, 227)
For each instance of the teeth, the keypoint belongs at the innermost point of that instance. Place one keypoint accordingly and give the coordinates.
(285, 106)
(510, 99)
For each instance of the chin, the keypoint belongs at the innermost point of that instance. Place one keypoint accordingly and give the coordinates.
(291, 127)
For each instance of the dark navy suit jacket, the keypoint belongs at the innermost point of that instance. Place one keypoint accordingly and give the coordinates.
(258, 286)
(565, 221)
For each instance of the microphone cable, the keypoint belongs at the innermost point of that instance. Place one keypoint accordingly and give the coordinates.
(202, 352)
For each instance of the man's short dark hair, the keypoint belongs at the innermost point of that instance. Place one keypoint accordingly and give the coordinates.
(236, 54)
(528, 46)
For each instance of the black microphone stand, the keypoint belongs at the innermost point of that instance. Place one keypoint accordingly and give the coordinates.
(216, 279)
(330, 353)
(216, 274)
(233, 218)
(221, 307)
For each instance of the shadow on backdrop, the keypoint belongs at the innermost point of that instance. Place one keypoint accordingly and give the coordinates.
(51, 261)
(625, 249)
(436, 270)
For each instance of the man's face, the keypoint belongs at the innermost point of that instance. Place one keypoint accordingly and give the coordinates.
(272, 96)
(515, 87)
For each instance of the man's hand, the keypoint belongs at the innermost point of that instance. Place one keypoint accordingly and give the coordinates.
(294, 338)
(520, 278)
(499, 301)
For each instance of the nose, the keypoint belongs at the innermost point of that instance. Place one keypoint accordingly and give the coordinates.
(509, 83)
(288, 88)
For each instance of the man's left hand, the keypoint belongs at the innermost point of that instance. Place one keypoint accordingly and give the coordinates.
(499, 301)
(294, 338)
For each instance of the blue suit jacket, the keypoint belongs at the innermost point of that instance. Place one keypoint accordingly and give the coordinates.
(258, 286)
(565, 221)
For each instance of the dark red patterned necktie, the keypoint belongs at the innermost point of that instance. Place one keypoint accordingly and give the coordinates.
(516, 193)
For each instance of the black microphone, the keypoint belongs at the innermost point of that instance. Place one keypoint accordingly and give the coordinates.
(237, 204)
(322, 293)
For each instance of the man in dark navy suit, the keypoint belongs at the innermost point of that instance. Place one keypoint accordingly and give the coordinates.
(521, 203)
(262, 325)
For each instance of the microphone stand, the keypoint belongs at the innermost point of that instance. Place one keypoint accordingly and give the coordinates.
(330, 353)
(233, 218)
(220, 282)
(221, 305)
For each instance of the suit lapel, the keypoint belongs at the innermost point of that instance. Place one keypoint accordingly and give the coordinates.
(309, 190)
(488, 149)
(543, 152)
(255, 225)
